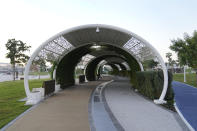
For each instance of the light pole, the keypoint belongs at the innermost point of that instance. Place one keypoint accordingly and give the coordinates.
(184, 73)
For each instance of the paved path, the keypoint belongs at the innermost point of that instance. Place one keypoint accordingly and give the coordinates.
(186, 101)
(135, 113)
(68, 111)
(65, 111)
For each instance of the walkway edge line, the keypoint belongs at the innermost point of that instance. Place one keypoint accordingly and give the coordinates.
(183, 118)
(90, 116)
(115, 121)
(186, 84)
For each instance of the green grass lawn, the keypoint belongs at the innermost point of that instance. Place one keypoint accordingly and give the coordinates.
(10, 93)
(191, 78)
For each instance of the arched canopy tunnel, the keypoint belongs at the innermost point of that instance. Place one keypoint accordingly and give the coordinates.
(114, 67)
(110, 60)
(66, 67)
(118, 61)
(122, 67)
(112, 44)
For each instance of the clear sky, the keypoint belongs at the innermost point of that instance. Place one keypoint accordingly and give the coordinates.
(157, 21)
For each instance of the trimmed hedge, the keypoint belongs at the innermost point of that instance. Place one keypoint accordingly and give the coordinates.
(150, 84)
(123, 73)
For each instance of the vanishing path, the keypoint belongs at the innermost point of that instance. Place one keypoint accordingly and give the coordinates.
(65, 111)
(135, 113)
(186, 101)
(118, 108)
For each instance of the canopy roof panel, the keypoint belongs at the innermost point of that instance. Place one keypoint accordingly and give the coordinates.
(89, 35)
(56, 47)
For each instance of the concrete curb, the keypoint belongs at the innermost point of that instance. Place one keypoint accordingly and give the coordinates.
(186, 84)
(107, 108)
(115, 122)
(183, 118)
(90, 117)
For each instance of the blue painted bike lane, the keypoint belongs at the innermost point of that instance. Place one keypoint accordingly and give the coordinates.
(186, 101)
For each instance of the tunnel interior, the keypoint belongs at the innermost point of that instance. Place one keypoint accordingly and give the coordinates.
(65, 74)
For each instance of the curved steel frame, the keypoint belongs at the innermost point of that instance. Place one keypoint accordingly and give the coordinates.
(32, 98)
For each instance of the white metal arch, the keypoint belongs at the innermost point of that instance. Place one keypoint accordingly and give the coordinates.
(33, 98)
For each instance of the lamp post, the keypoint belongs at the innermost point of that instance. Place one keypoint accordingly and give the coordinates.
(184, 73)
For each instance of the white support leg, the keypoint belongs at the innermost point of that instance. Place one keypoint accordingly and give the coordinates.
(34, 98)
(57, 86)
(165, 85)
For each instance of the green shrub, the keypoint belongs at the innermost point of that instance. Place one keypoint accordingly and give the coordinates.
(150, 84)
(123, 73)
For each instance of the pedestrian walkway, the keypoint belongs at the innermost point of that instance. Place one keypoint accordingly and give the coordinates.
(135, 113)
(65, 111)
(69, 110)
(186, 101)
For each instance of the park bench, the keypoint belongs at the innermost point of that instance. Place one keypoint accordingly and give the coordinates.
(81, 78)
(49, 87)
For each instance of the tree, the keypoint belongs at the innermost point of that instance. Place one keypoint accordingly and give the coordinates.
(50, 58)
(169, 56)
(186, 50)
(41, 63)
(150, 64)
(171, 62)
(16, 54)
